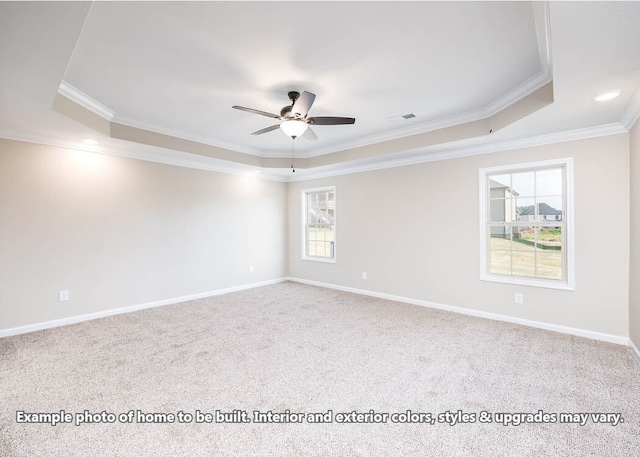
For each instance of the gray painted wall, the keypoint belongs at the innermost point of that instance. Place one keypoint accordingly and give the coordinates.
(117, 232)
(414, 230)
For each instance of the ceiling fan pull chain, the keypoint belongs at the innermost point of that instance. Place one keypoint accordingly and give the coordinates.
(293, 155)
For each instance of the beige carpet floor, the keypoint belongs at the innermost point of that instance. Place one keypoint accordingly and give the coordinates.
(310, 350)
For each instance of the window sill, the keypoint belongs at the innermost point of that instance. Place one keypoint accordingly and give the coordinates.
(558, 285)
(319, 259)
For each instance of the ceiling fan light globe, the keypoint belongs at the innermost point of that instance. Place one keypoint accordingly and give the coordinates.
(293, 128)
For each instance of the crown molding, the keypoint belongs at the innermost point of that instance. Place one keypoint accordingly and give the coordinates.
(187, 161)
(77, 96)
(431, 154)
(632, 112)
(523, 90)
(195, 161)
(121, 122)
(396, 134)
(542, 23)
(43, 140)
(136, 123)
(67, 90)
(437, 153)
(526, 88)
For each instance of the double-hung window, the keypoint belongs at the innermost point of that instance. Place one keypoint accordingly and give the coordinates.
(319, 224)
(526, 224)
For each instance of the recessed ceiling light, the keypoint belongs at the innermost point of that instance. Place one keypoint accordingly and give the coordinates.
(607, 96)
(257, 171)
(89, 141)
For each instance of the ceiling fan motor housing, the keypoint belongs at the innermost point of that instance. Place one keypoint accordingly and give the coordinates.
(284, 112)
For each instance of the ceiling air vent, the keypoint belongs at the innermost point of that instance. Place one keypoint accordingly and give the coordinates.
(409, 116)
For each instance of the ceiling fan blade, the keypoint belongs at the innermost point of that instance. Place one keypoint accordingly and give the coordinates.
(268, 129)
(256, 111)
(310, 134)
(325, 120)
(303, 104)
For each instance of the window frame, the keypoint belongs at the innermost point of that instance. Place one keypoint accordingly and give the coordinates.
(303, 198)
(568, 281)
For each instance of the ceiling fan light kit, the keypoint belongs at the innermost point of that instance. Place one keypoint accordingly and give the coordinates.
(293, 127)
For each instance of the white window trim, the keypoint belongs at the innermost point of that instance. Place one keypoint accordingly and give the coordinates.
(303, 198)
(485, 275)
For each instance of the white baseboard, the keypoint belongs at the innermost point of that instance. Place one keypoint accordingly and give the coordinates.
(472, 312)
(635, 349)
(130, 309)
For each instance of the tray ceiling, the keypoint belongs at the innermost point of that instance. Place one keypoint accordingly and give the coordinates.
(158, 79)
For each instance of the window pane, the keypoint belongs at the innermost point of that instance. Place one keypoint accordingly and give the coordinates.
(525, 209)
(524, 263)
(523, 184)
(524, 238)
(312, 213)
(549, 182)
(500, 262)
(311, 234)
(500, 238)
(549, 238)
(550, 209)
(549, 264)
(324, 249)
(502, 210)
(500, 181)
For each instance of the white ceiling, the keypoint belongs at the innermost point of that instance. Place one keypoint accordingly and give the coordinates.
(177, 68)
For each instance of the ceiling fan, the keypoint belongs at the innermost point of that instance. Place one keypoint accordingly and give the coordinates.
(294, 117)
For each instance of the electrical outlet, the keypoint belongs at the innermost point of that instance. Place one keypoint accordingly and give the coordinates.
(519, 298)
(64, 295)
(364, 275)
(250, 268)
